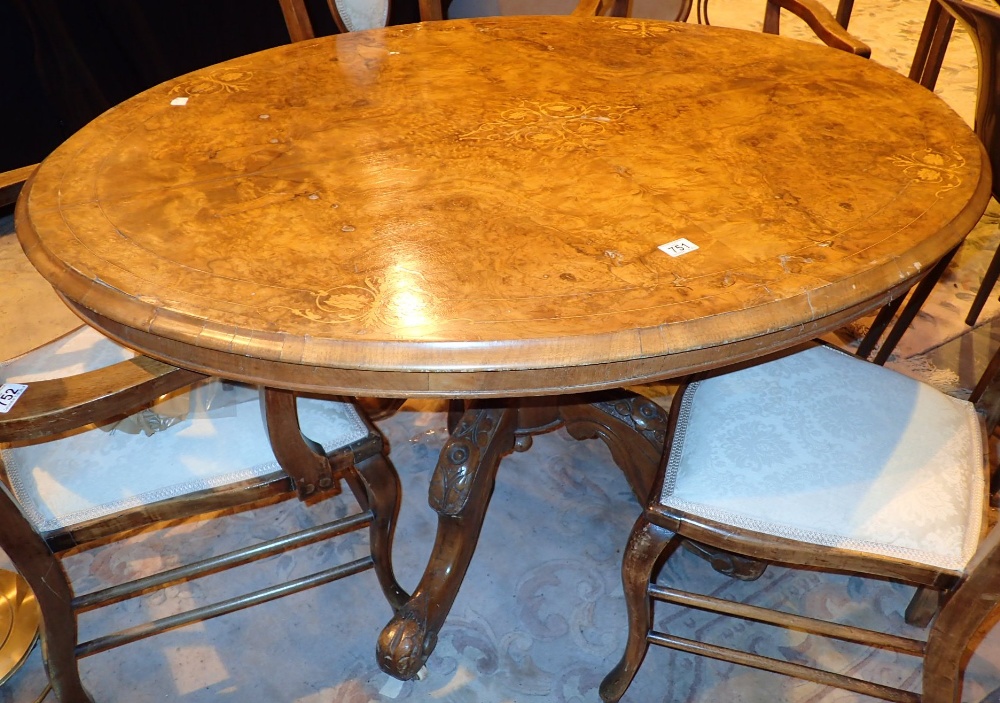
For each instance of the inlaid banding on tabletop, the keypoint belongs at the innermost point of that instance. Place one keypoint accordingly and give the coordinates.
(514, 226)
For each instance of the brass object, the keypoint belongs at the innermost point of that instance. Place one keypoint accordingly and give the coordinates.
(19, 618)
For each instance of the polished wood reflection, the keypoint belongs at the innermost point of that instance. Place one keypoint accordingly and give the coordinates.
(473, 208)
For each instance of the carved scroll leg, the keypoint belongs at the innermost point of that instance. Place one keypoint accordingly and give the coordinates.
(376, 486)
(459, 493)
(635, 428)
(646, 549)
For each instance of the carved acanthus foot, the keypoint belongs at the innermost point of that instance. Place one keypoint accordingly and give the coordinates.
(405, 643)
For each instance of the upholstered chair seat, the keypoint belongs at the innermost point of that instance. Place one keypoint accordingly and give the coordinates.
(819, 459)
(822, 447)
(94, 472)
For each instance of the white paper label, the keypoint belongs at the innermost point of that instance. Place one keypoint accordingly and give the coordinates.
(179, 101)
(678, 247)
(9, 393)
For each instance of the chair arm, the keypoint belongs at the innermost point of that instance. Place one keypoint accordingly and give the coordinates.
(63, 404)
(11, 183)
(821, 21)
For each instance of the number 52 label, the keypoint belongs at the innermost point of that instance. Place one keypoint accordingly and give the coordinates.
(9, 393)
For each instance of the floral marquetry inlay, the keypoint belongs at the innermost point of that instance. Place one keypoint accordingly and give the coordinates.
(226, 80)
(556, 125)
(934, 167)
(644, 29)
(379, 304)
(475, 208)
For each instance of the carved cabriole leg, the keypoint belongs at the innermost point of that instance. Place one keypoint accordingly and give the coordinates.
(646, 547)
(459, 493)
(633, 427)
(44, 574)
(376, 485)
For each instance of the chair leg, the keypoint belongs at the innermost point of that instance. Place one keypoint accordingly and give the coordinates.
(985, 289)
(879, 325)
(46, 578)
(923, 607)
(920, 294)
(933, 43)
(376, 486)
(844, 10)
(646, 548)
(621, 8)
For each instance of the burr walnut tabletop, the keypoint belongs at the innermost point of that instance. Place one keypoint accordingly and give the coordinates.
(473, 208)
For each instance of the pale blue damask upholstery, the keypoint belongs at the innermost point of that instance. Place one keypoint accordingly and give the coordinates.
(363, 14)
(821, 447)
(95, 473)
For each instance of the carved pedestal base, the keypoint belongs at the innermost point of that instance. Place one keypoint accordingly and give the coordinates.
(634, 429)
(459, 493)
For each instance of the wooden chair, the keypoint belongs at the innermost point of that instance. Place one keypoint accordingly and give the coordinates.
(439, 9)
(983, 24)
(844, 10)
(67, 484)
(677, 10)
(822, 460)
(932, 45)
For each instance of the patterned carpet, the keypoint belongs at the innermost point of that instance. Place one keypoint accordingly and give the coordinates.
(541, 614)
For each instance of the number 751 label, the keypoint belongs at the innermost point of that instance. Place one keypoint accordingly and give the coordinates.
(9, 393)
(678, 247)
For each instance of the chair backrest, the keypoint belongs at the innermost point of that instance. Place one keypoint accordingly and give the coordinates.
(983, 23)
(652, 9)
(350, 16)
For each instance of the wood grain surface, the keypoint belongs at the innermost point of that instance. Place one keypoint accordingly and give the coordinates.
(474, 207)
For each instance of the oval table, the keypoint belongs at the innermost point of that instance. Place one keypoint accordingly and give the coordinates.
(522, 212)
